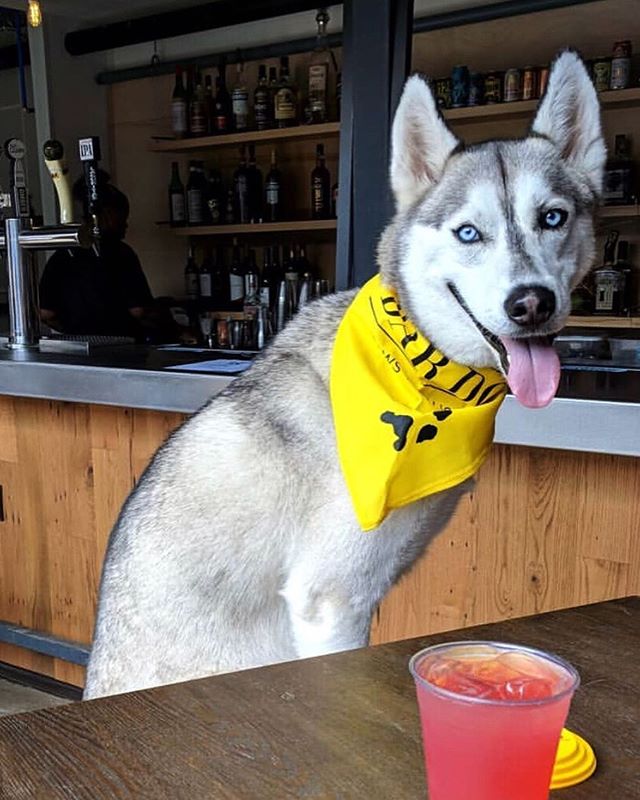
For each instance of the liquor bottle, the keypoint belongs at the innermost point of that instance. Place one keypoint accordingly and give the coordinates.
(240, 100)
(223, 109)
(220, 281)
(619, 174)
(262, 101)
(251, 280)
(291, 279)
(320, 187)
(624, 266)
(236, 277)
(230, 209)
(189, 97)
(286, 101)
(254, 187)
(318, 74)
(195, 194)
(267, 283)
(191, 277)
(209, 106)
(609, 281)
(272, 192)
(241, 190)
(215, 197)
(302, 262)
(177, 208)
(198, 108)
(273, 87)
(205, 277)
(179, 107)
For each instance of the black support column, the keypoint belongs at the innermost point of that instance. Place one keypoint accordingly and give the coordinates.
(375, 62)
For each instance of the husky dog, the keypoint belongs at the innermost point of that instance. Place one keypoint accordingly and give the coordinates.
(240, 546)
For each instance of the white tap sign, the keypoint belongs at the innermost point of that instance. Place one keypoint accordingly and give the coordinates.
(89, 149)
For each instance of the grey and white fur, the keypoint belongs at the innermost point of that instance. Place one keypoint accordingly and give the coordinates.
(239, 547)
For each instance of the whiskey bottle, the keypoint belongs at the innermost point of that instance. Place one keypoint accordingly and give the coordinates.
(262, 101)
(195, 193)
(177, 208)
(179, 107)
(272, 192)
(254, 187)
(286, 101)
(197, 109)
(241, 190)
(320, 187)
(240, 100)
(223, 109)
(318, 73)
(191, 277)
(619, 174)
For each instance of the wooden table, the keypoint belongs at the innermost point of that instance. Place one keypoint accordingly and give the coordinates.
(342, 727)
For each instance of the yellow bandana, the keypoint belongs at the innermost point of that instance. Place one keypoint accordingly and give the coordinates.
(409, 422)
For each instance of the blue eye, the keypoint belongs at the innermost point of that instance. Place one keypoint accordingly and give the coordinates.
(467, 234)
(553, 218)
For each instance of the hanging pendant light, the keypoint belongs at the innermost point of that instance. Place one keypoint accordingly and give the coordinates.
(34, 14)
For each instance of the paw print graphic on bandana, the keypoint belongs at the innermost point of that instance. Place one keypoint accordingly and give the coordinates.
(401, 424)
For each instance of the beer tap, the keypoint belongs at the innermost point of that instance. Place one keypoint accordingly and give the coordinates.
(57, 166)
(20, 236)
(90, 155)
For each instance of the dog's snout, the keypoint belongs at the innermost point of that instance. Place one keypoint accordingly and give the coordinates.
(530, 305)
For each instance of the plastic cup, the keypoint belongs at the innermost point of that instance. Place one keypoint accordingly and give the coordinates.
(491, 717)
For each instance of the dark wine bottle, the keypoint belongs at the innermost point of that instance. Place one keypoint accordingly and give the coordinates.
(273, 186)
(320, 187)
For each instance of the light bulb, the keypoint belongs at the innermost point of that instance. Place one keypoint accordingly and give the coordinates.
(34, 14)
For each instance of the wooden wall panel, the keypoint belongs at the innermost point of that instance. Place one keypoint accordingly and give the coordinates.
(544, 529)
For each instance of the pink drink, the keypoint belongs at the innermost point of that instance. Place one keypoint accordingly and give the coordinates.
(491, 719)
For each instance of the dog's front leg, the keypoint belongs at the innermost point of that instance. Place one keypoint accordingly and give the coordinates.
(325, 613)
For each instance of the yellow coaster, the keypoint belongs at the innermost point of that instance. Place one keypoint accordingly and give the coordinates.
(575, 761)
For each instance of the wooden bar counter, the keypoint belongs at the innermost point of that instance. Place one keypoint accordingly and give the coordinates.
(544, 529)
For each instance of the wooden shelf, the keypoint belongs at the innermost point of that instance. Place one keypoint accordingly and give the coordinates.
(295, 226)
(521, 108)
(248, 137)
(603, 322)
(619, 212)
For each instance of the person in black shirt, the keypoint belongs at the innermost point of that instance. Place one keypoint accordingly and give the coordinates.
(83, 292)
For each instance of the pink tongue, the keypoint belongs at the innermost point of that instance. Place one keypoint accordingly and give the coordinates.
(534, 370)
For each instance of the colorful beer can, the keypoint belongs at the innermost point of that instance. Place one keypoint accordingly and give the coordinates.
(512, 85)
(529, 83)
(602, 73)
(443, 92)
(459, 86)
(476, 89)
(493, 88)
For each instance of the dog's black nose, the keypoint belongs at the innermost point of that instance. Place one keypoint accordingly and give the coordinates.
(530, 305)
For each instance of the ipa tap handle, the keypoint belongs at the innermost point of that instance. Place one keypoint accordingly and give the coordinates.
(90, 155)
(57, 166)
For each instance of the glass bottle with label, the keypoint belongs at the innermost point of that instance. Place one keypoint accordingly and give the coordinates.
(241, 189)
(198, 108)
(254, 187)
(215, 197)
(177, 207)
(251, 279)
(320, 187)
(195, 194)
(205, 276)
(179, 107)
(318, 74)
(267, 283)
(191, 277)
(263, 101)
(273, 187)
(286, 101)
(619, 174)
(236, 277)
(240, 100)
(223, 112)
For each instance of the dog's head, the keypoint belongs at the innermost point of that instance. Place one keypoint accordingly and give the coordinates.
(489, 240)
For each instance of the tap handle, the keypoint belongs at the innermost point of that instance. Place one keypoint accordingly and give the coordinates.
(57, 166)
(90, 155)
(15, 152)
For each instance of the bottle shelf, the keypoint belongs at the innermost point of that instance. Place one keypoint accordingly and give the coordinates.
(619, 212)
(293, 226)
(247, 137)
(603, 322)
(521, 108)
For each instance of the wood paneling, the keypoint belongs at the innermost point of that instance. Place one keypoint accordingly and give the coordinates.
(65, 470)
(544, 529)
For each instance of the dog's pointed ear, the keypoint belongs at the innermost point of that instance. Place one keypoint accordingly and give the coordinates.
(420, 143)
(569, 115)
